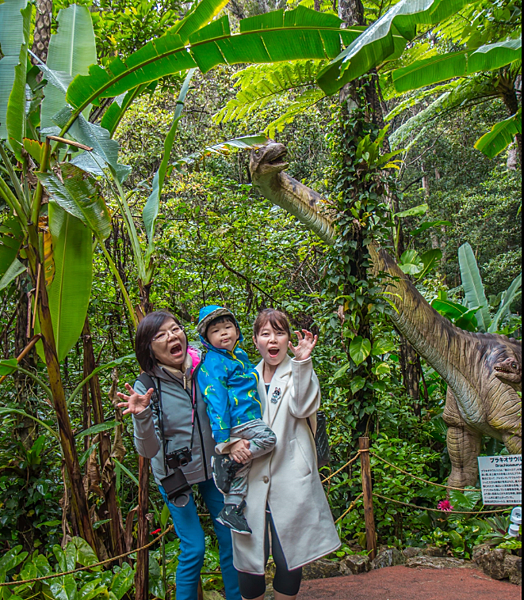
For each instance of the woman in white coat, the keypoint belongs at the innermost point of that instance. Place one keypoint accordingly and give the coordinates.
(286, 505)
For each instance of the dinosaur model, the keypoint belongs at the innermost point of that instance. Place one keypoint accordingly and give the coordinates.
(483, 371)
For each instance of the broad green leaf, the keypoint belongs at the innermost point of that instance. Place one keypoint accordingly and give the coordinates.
(382, 368)
(150, 212)
(63, 588)
(122, 581)
(15, 115)
(126, 471)
(449, 309)
(502, 134)
(69, 292)
(71, 51)
(98, 428)
(11, 238)
(411, 212)
(295, 36)
(13, 271)
(456, 64)
(341, 372)
(34, 148)
(356, 384)
(382, 346)
(11, 41)
(468, 320)
(10, 560)
(10, 411)
(429, 259)
(84, 554)
(359, 349)
(165, 516)
(203, 12)
(385, 39)
(105, 150)
(473, 286)
(8, 366)
(80, 196)
(505, 305)
(428, 225)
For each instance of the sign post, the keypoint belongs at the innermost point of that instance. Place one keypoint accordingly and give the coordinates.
(501, 479)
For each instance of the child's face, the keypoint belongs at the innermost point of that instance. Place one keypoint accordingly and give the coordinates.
(222, 335)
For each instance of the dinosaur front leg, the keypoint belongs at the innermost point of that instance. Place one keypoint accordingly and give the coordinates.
(464, 446)
(513, 443)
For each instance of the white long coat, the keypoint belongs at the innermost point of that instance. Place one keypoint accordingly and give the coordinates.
(288, 479)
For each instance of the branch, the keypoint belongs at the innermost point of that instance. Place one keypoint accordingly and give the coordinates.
(223, 262)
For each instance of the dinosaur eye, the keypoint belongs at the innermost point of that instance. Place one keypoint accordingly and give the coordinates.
(257, 152)
(513, 365)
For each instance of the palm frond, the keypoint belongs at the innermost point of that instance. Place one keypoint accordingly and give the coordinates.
(303, 102)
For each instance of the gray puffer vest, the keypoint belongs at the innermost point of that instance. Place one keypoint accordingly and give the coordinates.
(176, 409)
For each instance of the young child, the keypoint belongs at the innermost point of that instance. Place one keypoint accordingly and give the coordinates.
(228, 382)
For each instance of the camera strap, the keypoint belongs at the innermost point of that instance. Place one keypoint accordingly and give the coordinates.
(146, 380)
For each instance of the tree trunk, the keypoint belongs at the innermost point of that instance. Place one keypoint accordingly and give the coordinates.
(110, 505)
(67, 441)
(42, 31)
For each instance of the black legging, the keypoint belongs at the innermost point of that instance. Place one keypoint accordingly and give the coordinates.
(285, 582)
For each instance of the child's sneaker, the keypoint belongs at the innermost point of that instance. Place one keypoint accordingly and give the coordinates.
(232, 516)
(224, 471)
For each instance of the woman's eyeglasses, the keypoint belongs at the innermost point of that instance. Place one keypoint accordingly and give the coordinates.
(164, 335)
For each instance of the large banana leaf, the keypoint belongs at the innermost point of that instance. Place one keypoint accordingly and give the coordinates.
(500, 136)
(385, 39)
(509, 296)
(202, 14)
(71, 51)
(456, 64)
(11, 42)
(473, 286)
(150, 212)
(80, 196)
(278, 36)
(10, 241)
(15, 116)
(71, 287)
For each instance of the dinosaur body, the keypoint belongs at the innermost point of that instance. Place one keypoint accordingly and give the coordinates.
(483, 371)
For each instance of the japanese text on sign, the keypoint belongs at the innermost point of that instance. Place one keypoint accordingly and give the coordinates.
(501, 479)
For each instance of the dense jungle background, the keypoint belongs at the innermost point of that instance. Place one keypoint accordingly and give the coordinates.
(423, 170)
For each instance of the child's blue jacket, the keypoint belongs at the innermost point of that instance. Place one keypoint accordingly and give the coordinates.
(228, 382)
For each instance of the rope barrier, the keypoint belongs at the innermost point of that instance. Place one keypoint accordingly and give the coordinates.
(350, 507)
(98, 564)
(448, 487)
(461, 512)
(343, 467)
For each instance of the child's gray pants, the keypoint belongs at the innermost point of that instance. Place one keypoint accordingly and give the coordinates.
(261, 441)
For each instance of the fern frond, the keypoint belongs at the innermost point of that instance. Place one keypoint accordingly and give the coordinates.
(418, 96)
(306, 100)
(259, 84)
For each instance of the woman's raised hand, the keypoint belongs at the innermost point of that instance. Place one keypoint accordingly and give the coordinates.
(135, 402)
(306, 343)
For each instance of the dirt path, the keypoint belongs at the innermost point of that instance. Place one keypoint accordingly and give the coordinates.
(403, 583)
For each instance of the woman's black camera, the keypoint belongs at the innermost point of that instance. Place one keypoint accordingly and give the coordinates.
(179, 458)
(176, 486)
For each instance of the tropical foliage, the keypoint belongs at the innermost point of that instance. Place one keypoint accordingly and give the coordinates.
(124, 188)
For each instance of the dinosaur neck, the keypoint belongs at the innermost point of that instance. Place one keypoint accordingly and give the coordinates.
(297, 199)
(433, 336)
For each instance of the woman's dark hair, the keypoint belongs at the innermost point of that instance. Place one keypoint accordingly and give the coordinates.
(276, 318)
(146, 331)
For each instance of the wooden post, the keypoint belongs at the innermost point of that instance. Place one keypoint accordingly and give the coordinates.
(142, 559)
(371, 542)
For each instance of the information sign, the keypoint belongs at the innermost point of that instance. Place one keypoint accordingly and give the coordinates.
(501, 479)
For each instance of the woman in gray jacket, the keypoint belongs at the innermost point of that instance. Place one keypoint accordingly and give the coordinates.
(286, 505)
(172, 429)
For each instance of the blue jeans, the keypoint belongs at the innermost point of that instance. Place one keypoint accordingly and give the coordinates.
(192, 543)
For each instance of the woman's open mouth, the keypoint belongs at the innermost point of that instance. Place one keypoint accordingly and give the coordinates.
(176, 349)
(273, 352)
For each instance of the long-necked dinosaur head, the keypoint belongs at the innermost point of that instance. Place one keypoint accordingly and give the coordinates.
(267, 160)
